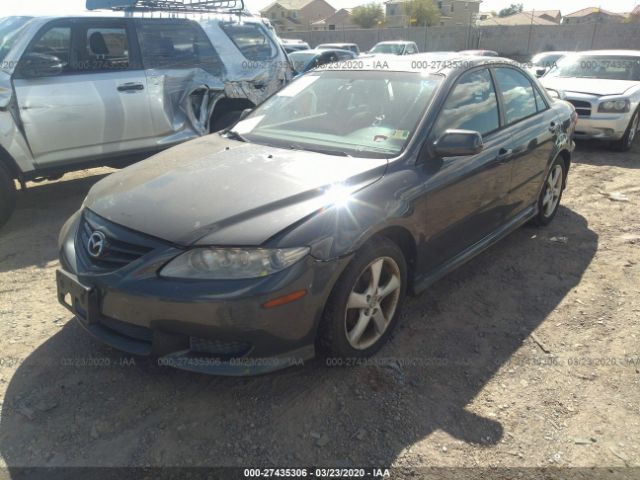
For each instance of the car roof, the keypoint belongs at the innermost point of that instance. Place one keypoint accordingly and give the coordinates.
(396, 42)
(625, 53)
(105, 14)
(336, 44)
(318, 51)
(422, 62)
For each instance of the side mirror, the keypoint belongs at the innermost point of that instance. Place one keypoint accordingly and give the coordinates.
(35, 65)
(540, 72)
(458, 143)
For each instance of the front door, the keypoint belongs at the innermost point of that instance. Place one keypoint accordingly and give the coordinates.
(466, 197)
(93, 103)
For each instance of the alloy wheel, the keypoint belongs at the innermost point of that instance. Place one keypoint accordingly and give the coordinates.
(553, 190)
(635, 124)
(372, 303)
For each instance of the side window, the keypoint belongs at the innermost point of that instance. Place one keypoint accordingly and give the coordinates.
(251, 40)
(471, 105)
(49, 54)
(177, 45)
(411, 49)
(540, 103)
(518, 94)
(103, 48)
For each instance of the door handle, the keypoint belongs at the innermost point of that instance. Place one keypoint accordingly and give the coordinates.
(504, 155)
(130, 87)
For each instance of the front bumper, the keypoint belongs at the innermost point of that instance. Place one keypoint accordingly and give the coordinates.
(217, 327)
(603, 126)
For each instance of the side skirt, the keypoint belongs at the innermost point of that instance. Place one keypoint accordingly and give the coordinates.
(425, 281)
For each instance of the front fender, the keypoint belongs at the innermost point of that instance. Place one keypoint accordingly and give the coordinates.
(343, 228)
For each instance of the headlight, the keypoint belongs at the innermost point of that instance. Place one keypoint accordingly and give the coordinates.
(231, 263)
(621, 105)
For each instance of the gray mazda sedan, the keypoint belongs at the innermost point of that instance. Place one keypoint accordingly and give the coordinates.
(301, 229)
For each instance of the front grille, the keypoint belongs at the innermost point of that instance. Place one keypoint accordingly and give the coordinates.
(122, 246)
(583, 109)
(219, 347)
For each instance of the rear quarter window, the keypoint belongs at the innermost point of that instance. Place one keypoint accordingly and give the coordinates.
(251, 40)
(177, 45)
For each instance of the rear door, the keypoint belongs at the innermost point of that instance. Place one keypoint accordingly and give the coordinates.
(532, 129)
(95, 105)
(180, 64)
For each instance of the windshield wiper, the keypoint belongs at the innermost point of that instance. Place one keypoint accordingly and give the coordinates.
(338, 153)
(232, 134)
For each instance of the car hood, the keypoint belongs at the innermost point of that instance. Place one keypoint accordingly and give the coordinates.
(216, 191)
(592, 86)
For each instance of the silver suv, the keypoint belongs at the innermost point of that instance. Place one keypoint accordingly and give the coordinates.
(108, 90)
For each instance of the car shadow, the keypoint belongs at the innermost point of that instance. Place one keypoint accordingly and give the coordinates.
(73, 402)
(31, 235)
(593, 152)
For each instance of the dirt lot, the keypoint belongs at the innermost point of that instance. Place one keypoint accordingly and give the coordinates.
(527, 356)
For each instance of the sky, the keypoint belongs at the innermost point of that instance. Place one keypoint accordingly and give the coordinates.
(567, 6)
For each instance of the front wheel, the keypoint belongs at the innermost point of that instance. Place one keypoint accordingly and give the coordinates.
(626, 142)
(549, 199)
(7, 195)
(365, 303)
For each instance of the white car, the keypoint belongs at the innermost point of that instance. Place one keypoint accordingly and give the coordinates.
(396, 47)
(604, 86)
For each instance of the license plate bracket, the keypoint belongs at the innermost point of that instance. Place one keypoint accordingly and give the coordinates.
(79, 299)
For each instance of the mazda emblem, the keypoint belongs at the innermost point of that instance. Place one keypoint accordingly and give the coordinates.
(97, 244)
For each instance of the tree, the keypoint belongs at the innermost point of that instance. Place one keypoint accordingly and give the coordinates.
(422, 13)
(367, 16)
(510, 10)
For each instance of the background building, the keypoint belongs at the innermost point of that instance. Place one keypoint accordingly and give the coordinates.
(542, 17)
(340, 20)
(452, 12)
(292, 15)
(593, 15)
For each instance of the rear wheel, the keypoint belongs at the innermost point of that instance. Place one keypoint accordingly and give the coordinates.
(7, 194)
(365, 303)
(626, 142)
(549, 199)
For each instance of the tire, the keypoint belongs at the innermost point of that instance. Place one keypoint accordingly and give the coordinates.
(342, 332)
(551, 192)
(225, 120)
(7, 195)
(626, 142)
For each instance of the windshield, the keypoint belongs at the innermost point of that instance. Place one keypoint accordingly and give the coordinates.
(546, 60)
(10, 28)
(602, 67)
(356, 113)
(392, 48)
(301, 59)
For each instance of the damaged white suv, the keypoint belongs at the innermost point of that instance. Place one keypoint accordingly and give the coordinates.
(108, 90)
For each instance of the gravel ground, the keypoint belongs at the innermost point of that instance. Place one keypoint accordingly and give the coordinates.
(525, 357)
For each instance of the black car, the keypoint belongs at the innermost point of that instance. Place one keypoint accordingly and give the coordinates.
(301, 229)
(353, 47)
(306, 60)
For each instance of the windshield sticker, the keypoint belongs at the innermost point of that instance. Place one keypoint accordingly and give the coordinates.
(400, 134)
(246, 126)
(296, 87)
